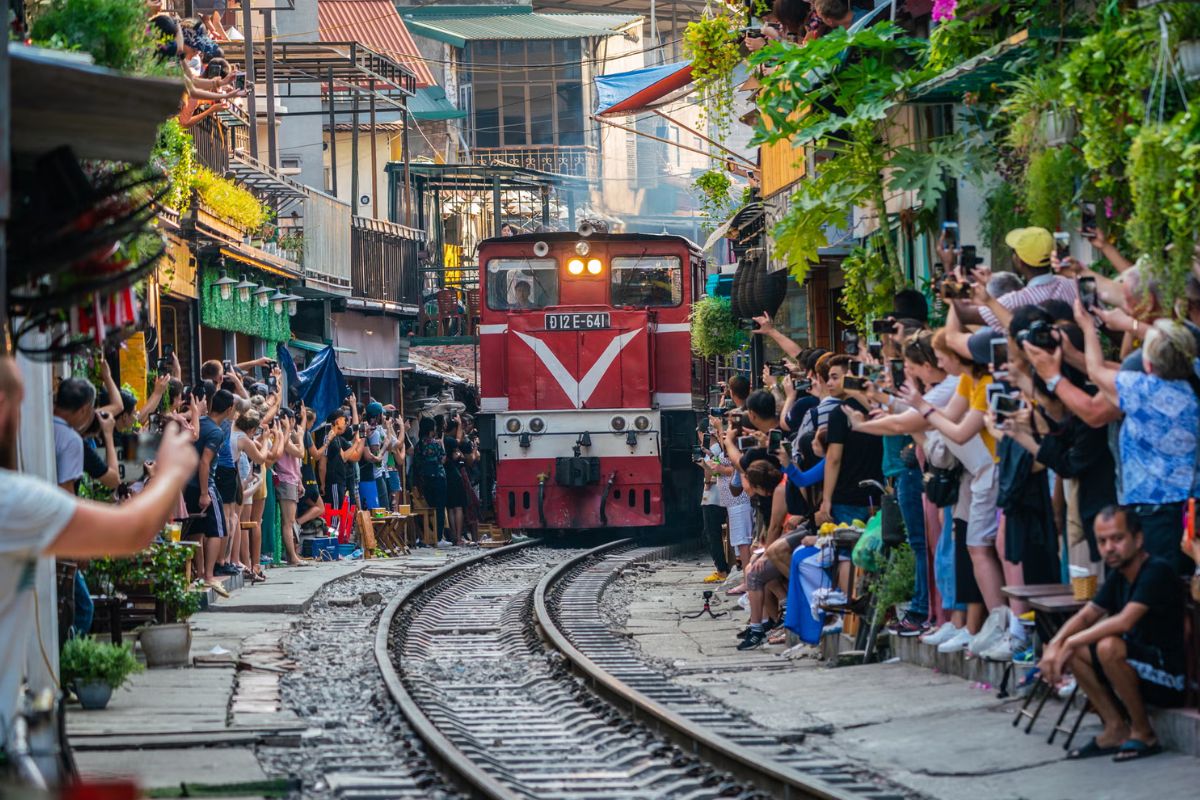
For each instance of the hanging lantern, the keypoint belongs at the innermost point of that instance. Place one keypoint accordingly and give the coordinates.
(263, 295)
(293, 304)
(244, 289)
(277, 301)
(225, 285)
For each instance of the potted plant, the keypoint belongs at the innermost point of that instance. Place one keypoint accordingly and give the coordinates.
(169, 643)
(93, 669)
(714, 330)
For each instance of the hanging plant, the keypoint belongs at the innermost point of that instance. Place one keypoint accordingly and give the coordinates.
(1050, 181)
(1003, 212)
(712, 45)
(234, 315)
(870, 285)
(714, 186)
(175, 154)
(714, 330)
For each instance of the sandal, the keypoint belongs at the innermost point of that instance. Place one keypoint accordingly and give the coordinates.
(1092, 749)
(777, 637)
(737, 590)
(218, 587)
(1133, 749)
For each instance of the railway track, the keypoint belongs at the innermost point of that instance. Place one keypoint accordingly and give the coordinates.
(505, 671)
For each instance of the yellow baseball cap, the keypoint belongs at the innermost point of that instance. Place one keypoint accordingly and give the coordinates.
(1032, 245)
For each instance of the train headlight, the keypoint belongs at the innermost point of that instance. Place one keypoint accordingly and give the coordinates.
(575, 266)
(642, 423)
(513, 425)
(595, 266)
(583, 248)
(618, 423)
(537, 425)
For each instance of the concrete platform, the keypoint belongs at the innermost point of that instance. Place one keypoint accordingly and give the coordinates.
(200, 724)
(930, 731)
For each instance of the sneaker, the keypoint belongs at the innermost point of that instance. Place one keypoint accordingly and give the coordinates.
(445, 543)
(995, 629)
(956, 643)
(716, 577)
(1064, 691)
(1002, 650)
(941, 634)
(1026, 656)
(753, 639)
(767, 626)
(909, 626)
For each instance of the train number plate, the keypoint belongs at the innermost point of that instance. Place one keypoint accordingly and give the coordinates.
(577, 322)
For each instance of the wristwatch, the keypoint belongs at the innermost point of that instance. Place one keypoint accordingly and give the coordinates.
(1052, 384)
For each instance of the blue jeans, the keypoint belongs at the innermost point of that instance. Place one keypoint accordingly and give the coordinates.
(943, 564)
(908, 493)
(844, 515)
(84, 610)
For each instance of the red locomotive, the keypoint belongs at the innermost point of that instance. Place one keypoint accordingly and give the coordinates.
(587, 379)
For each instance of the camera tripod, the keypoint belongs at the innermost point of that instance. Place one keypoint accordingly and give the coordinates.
(706, 610)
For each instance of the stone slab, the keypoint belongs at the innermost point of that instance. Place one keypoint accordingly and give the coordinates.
(224, 765)
(287, 590)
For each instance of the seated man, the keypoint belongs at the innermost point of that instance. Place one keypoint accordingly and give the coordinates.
(1125, 647)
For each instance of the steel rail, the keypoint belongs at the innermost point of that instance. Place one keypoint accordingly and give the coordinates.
(454, 763)
(779, 781)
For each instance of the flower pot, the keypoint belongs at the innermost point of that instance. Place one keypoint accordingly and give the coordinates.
(1057, 127)
(167, 645)
(93, 695)
(1189, 59)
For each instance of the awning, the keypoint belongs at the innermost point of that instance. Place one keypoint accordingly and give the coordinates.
(371, 344)
(377, 24)
(630, 92)
(430, 103)
(748, 217)
(431, 368)
(995, 65)
(315, 347)
(260, 260)
(457, 25)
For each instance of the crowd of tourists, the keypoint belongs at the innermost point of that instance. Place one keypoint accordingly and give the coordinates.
(1051, 422)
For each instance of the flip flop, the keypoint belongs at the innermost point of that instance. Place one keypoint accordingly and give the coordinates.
(1133, 749)
(1092, 749)
(737, 590)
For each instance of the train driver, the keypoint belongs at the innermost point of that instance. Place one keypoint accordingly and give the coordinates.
(521, 295)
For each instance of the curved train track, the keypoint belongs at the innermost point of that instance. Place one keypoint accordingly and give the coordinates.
(504, 669)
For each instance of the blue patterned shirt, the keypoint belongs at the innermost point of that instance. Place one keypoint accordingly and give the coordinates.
(1157, 439)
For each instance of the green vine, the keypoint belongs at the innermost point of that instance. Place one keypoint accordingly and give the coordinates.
(712, 45)
(1050, 181)
(113, 32)
(229, 201)
(175, 154)
(714, 330)
(236, 315)
(1003, 212)
(870, 285)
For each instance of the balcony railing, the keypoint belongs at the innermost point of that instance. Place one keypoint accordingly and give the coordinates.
(384, 262)
(577, 160)
(327, 241)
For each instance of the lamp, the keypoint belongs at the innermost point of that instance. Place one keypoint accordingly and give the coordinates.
(263, 295)
(277, 301)
(225, 284)
(244, 288)
(292, 304)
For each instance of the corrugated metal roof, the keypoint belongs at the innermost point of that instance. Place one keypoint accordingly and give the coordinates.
(431, 103)
(458, 25)
(376, 24)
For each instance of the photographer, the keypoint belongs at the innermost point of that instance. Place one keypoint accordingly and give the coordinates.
(336, 450)
(850, 457)
(370, 469)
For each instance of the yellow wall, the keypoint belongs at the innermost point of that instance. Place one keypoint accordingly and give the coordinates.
(782, 165)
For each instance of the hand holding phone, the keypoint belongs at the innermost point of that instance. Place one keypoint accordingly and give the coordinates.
(1088, 297)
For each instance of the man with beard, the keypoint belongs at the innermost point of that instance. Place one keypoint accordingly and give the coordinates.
(1125, 647)
(37, 519)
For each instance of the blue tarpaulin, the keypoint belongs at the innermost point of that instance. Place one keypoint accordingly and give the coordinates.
(321, 385)
(629, 92)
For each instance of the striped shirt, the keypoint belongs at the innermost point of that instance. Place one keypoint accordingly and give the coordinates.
(1039, 290)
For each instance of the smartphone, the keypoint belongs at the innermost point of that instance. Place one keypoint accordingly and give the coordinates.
(883, 327)
(854, 384)
(780, 370)
(858, 369)
(774, 439)
(950, 228)
(271, 383)
(875, 349)
(707, 441)
(697, 454)
(1087, 218)
(1062, 245)
(227, 365)
(1006, 404)
(992, 391)
(240, 81)
(745, 443)
(999, 348)
(896, 369)
(850, 342)
(802, 386)
(966, 258)
(1087, 292)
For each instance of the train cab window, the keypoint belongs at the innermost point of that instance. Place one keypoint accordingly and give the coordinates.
(647, 281)
(521, 283)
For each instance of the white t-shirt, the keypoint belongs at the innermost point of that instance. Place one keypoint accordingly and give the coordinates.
(940, 395)
(68, 451)
(973, 454)
(32, 515)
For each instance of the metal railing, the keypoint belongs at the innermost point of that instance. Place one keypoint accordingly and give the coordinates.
(327, 248)
(577, 160)
(384, 261)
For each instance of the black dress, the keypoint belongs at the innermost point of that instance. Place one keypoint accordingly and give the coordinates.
(456, 495)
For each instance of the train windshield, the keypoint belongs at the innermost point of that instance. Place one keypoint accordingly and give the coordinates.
(647, 281)
(521, 283)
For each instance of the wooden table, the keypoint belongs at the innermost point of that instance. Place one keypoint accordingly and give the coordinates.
(1036, 590)
(391, 533)
(1057, 604)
